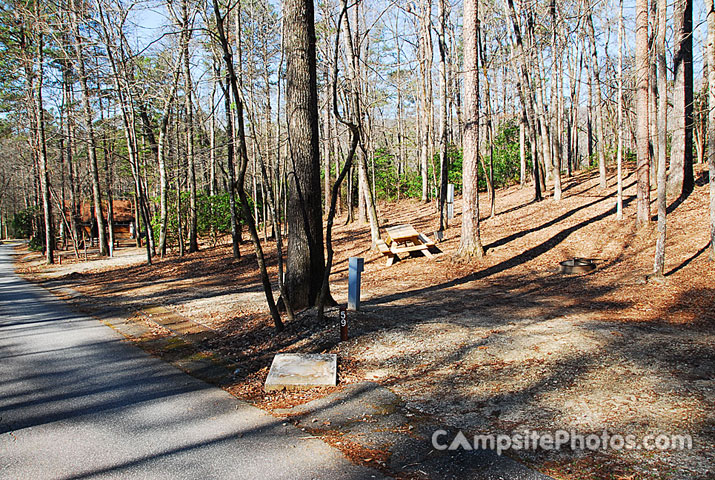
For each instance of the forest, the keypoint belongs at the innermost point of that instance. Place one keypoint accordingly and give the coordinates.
(194, 114)
(215, 164)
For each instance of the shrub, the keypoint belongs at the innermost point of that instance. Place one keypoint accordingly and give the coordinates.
(213, 214)
(23, 222)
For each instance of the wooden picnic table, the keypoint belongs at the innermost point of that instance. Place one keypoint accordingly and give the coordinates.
(404, 239)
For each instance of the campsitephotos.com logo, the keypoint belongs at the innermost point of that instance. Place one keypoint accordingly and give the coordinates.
(560, 439)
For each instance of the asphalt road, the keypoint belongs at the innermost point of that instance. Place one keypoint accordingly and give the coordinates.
(78, 402)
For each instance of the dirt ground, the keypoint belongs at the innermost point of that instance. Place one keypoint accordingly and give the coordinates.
(498, 345)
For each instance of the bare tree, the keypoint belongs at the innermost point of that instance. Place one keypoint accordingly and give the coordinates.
(354, 140)
(642, 129)
(425, 54)
(659, 262)
(595, 73)
(711, 120)
(443, 159)
(556, 96)
(35, 82)
(681, 181)
(619, 160)
(79, 42)
(526, 96)
(243, 162)
(367, 202)
(122, 76)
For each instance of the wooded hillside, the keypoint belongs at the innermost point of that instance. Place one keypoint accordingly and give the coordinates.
(215, 118)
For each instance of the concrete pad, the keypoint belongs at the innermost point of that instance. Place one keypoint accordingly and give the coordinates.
(297, 371)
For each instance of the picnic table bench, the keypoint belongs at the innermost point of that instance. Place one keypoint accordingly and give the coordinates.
(403, 239)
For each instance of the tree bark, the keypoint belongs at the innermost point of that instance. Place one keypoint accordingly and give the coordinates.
(556, 110)
(443, 159)
(470, 244)
(326, 142)
(425, 61)
(522, 153)
(230, 164)
(122, 79)
(41, 148)
(681, 181)
(161, 160)
(653, 94)
(305, 259)
(659, 262)
(642, 129)
(574, 118)
(711, 120)
(69, 157)
(488, 172)
(619, 159)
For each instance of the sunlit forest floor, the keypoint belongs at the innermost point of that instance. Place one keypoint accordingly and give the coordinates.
(499, 345)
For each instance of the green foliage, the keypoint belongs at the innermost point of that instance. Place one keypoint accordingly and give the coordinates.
(455, 168)
(505, 158)
(213, 215)
(386, 181)
(37, 244)
(28, 224)
(23, 222)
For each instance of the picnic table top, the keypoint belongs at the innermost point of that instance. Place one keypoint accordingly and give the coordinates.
(400, 233)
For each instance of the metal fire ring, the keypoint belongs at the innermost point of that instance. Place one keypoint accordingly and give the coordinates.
(577, 265)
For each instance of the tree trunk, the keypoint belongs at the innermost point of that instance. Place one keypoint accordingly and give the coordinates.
(556, 110)
(541, 109)
(470, 244)
(619, 160)
(178, 156)
(574, 118)
(326, 142)
(306, 260)
(401, 160)
(69, 157)
(488, 172)
(123, 85)
(526, 96)
(425, 61)
(161, 160)
(354, 139)
(443, 159)
(681, 181)
(108, 180)
(595, 74)
(91, 143)
(230, 156)
(711, 120)
(653, 95)
(212, 132)
(186, 24)
(243, 163)
(365, 196)
(41, 148)
(522, 153)
(642, 129)
(659, 262)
